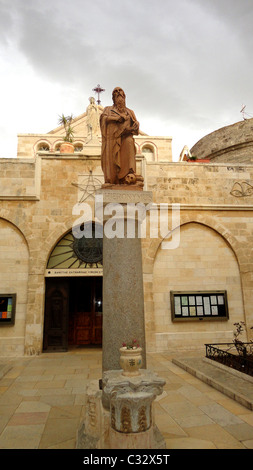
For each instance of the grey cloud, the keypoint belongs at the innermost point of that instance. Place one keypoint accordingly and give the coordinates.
(6, 22)
(182, 61)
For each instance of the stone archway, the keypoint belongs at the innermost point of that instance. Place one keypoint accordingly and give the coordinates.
(73, 293)
(14, 271)
(206, 220)
(203, 262)
(151, 249)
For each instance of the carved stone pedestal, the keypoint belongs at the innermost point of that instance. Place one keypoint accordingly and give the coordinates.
(127, 420)
(94, 430)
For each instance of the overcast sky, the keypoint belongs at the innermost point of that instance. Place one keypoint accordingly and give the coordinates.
(186, 65)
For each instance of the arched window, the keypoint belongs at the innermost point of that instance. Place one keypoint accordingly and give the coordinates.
(148, 153)
(57, 147)
(78, 147)
(75, 253)
(43, 147)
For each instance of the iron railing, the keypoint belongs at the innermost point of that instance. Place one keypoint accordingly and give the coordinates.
(239, 357)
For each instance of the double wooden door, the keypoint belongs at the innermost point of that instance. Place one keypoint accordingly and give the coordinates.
(73, 312)
(85, 311)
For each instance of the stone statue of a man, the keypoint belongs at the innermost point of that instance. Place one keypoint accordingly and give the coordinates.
(118, 126)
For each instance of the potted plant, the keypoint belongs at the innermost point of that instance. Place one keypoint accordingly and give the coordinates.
(199, 160)
(131, 358)
(191, 158)
(67, 146)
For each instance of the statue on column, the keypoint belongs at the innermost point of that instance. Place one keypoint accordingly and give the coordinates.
(118, 126)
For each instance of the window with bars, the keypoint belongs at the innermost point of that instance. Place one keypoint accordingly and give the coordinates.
(199, 305)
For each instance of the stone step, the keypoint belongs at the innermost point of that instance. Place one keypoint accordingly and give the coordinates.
(234, 385)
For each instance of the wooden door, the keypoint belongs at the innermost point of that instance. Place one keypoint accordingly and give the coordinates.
(56, 315)
(98, 310)
(85, 311)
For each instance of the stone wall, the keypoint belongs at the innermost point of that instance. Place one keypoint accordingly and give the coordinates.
(19, 178)
(36, 211)
(202, 262)
(42, 220)
(161, 147)
(218, 197)
(201, 184)
(230, 233)
(29, 144)
(14, 263)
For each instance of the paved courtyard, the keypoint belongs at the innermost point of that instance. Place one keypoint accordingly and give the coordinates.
(42, 401)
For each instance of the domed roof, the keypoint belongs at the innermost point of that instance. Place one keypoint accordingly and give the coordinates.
(232, 143)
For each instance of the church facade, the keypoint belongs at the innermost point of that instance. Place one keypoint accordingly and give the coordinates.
(197, 271)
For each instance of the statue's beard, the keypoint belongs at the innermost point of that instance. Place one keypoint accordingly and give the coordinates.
(120, 103)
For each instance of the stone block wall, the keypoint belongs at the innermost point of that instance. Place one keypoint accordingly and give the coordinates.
(14, 263)
(19, 178)
(218, 198)
(200, 184)
(161, 146)
(215, 224)
(203, 261)
(42, 219)
(28, 145)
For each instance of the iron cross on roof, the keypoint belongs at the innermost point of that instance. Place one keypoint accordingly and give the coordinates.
(98, 90)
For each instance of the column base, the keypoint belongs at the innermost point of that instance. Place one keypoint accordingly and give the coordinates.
(151, 439)
(130, 403)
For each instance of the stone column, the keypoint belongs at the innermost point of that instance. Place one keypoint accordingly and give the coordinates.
(123, 302)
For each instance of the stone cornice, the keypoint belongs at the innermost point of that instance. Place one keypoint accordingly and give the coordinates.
(203, 207)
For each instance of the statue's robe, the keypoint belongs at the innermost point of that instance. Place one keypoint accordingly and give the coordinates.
(118, 147)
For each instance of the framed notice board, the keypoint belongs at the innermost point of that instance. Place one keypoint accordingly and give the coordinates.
(188, 306)
(7, 309)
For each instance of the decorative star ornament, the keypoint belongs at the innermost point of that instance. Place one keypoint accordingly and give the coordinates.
(88, 186)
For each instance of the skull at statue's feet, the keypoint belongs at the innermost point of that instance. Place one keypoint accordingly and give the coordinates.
(130, 179)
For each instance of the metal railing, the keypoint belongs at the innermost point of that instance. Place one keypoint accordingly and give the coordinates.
(239, 356)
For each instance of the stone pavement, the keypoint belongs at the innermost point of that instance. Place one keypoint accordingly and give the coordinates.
(42, 401)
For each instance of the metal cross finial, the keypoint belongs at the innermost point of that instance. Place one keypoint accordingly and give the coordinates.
(98, 90)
